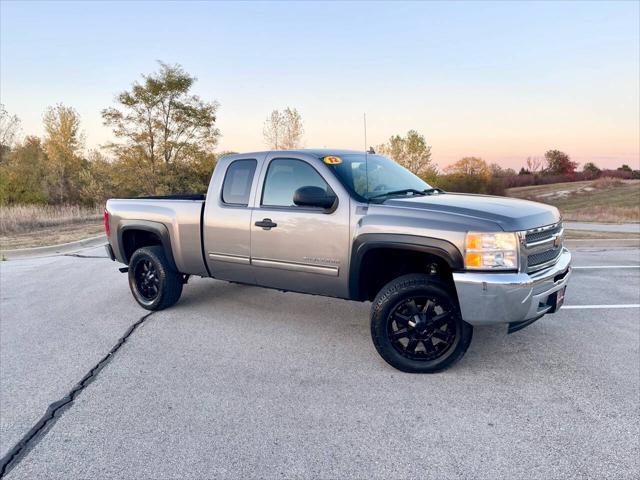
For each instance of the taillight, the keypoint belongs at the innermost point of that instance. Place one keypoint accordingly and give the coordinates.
(106, 223)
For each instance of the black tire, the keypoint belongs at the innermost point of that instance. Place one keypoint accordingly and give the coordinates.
(153, 281)
(416, 325)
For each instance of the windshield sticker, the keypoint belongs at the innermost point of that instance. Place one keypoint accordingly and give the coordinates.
(332, 160)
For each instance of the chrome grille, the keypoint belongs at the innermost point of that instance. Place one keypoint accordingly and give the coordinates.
(542, 246)
(537, 236)
(543, 257)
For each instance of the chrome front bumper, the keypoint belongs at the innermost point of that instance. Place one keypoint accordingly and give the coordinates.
(487, 298)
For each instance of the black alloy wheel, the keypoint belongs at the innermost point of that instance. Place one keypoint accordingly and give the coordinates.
(416, 324)
(153, 279)
(147, 279)
(422, 328)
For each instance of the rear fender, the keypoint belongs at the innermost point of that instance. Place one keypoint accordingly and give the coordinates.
(158, 229)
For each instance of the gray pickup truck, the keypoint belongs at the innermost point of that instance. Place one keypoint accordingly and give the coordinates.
(358, 226)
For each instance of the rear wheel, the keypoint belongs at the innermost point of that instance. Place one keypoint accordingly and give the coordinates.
(154, 283)
(416, 325)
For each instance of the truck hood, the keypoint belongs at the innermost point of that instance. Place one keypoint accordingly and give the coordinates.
(510, 214)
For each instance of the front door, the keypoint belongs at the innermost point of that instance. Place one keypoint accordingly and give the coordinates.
(299, 248)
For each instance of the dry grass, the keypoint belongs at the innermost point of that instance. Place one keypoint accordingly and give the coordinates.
(51, 236)
(607, 200)
(607, 182)
(17, 219)
(23, 226)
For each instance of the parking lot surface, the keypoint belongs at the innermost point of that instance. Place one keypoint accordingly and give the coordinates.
(237, 381)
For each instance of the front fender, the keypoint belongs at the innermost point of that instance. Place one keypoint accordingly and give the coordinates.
(364, 243)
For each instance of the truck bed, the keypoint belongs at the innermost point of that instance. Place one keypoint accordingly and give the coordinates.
(181, 196)
(180, 215)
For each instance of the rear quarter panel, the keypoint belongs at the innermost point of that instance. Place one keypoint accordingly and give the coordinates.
(181, 218)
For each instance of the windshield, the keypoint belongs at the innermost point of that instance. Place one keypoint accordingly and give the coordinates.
(384, 176)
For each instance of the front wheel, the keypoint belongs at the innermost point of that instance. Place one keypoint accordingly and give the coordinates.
(416, 325)
(154, 283)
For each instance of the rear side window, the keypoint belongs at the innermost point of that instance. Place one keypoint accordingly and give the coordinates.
(237, 182)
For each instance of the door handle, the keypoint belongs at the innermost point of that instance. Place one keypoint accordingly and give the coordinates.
(266, 224)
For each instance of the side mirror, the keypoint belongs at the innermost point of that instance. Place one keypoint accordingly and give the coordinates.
(313, 197)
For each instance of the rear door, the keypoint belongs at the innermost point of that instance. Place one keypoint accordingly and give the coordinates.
(299, 248)
(227, 218)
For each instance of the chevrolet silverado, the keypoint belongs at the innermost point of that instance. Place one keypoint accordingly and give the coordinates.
(358, 226)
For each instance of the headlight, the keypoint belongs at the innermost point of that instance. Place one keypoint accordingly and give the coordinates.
(491, 251)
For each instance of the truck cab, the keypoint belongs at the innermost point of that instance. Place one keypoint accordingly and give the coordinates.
(254, 232)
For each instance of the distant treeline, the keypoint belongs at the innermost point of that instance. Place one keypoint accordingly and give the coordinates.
(165, 142)
(474, 175)
(165, 139)
(524, 180)
(29, 174)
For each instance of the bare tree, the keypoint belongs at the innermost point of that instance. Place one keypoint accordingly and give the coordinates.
(534, 164)
(272, 130)
(9, 127)
(293, 129)
(283, 130)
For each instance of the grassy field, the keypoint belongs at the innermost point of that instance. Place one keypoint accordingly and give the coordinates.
(24, 226)
(603, 200)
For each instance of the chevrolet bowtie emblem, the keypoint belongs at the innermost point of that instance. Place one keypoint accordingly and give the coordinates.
(557, 241)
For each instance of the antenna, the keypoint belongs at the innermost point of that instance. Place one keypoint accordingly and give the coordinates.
(366, 160)
(365, 132)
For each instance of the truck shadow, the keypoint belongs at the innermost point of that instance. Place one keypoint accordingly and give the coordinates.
(345, 325)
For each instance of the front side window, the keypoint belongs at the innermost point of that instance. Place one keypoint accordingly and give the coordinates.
(284, 177)
(237, 182)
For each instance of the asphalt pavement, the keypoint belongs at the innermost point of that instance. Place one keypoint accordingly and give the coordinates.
(237, 381)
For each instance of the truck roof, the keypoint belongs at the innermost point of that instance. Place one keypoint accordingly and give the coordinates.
(316, 152)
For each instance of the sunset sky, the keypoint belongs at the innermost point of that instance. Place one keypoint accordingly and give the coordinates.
(502, 81)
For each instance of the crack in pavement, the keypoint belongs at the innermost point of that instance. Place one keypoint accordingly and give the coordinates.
(77, 255)
(55, 409)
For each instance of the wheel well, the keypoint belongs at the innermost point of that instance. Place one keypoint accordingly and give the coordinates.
(132, 240)
(381, 265)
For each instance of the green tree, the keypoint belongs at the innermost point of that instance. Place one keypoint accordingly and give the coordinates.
(97, 179)
(161, 126)
(559, 163)
(63, 144)
(591, 170)
(412, 152)
(498, 172)
(191, 175)
(471, 167)
(469, 174)
(23, 174)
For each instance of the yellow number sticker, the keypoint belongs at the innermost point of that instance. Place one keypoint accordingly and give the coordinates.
(332, 160)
